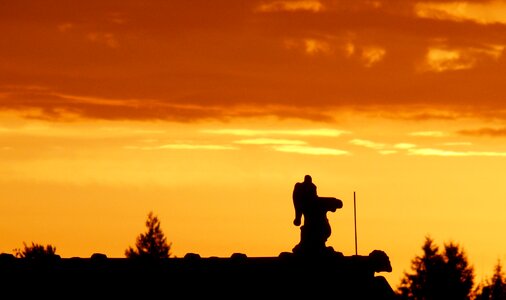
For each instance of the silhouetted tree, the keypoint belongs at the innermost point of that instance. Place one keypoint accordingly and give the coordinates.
(495, 288)
(446, 275)
(36, 251)
(151, 244)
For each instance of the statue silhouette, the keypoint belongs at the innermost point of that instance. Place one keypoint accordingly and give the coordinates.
(316, 229)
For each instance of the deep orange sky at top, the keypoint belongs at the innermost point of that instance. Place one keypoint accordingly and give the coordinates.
(191, 60)
(109, 100)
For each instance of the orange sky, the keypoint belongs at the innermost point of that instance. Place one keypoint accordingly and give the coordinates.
(207, 113)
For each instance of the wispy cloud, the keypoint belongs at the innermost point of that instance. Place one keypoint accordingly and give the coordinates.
(324, 132)
(457, 144)
(310, 150)
(182, 147)
(382, 148)
(268, 141)
(440, 152)
(428, 133)
(367, 144)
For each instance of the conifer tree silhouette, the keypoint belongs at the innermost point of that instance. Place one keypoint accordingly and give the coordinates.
(446, 275)
(152, 243)
(494, 288)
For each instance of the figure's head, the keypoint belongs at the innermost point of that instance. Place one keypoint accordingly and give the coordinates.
(308, 178)
(380, 261)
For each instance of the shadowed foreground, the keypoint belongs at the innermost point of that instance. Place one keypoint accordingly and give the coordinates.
(336, 276)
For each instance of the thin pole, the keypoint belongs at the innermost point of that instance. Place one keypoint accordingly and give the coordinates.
(355, 219)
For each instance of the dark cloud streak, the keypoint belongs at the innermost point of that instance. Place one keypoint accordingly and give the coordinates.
(492, 132)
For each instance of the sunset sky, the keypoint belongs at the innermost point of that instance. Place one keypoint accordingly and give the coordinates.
(208, 112)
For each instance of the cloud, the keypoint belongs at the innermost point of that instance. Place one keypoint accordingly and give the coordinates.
(43, 103)
(428, 133)
(313, 46)
(294, 5)
(449, 153)
(268, 141)
(107, 38)
(442, 59)
(182, 147)
(404, 146)
(458, 144)
(367, 55)
(367, 144)
(383, 148)
(309, 46)
(372, 55)
(324, 132)
(310, 150)
(486, 12)
(349, 49)
(494, 132)
(38, 102)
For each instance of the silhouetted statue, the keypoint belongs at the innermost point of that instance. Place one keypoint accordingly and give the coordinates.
(316, 229)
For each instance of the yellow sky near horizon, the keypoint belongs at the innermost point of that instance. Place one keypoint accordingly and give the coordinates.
(222, 188)
(208, 112)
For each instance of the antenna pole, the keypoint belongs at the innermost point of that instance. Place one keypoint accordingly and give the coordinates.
(355, 220)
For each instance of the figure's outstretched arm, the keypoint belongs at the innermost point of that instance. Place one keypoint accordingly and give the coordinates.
(330, 203)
